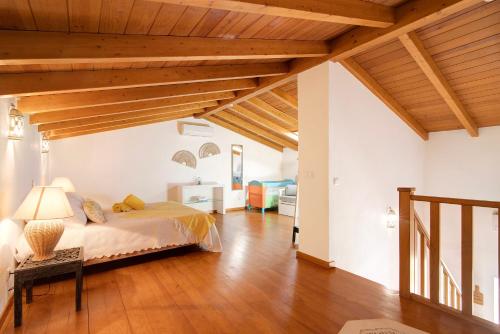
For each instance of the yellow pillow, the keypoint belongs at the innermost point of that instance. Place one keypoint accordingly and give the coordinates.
(121, 207)
(124, 207)
(117, 207)
(134, 202)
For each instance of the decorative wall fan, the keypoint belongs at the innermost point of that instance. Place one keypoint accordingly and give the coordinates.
(185, 158)
(208, 150)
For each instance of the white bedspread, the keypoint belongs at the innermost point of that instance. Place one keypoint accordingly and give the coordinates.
(122, 235)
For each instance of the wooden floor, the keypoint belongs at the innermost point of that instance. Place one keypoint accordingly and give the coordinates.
(255, 286)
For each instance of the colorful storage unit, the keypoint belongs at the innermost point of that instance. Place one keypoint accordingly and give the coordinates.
(265, 194)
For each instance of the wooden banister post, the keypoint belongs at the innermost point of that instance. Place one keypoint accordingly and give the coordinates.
(452, 295)
(406, 242)
(467, 263)
(422, 262)
(434, 253)
(446, 284)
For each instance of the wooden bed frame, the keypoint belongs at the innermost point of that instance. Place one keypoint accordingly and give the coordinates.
(113, 258)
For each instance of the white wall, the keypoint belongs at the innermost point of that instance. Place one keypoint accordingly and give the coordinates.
(19, 168)
(315, 167)
(457, 165)
(463, 166)
(374, 153)
(109, 165)
(290, 164)
(351, 139)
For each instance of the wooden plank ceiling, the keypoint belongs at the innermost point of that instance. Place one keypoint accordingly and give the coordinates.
(86, 66)
(444, 69)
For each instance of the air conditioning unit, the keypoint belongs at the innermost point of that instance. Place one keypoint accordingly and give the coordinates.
(195, 129)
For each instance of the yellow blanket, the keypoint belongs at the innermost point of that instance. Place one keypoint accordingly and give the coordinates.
(196, 221)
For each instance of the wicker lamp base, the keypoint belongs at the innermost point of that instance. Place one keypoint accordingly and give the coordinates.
(43, 236)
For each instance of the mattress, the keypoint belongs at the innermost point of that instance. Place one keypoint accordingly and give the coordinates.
(124, 235)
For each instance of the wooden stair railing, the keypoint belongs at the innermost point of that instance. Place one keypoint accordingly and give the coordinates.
(459, 301)
(452, 294)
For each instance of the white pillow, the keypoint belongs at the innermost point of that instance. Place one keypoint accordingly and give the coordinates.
(76, 203)
(94, 211)
(77, 199)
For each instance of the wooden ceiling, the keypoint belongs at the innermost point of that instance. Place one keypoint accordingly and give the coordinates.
(87, 66)
(445, 74)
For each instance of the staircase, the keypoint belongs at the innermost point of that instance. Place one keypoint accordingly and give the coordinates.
(423, 276)
(450, 293)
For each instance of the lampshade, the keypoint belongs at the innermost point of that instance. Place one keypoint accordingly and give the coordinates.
(44, 203)
(65, 183)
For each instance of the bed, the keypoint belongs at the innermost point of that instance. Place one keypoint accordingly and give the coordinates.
(265, 194)
(126, 234)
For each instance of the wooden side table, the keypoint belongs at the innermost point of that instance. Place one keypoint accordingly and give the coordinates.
(66, 261)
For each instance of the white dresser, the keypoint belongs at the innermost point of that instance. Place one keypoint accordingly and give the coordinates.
(203, 197)
(287, 201)
(286, 205)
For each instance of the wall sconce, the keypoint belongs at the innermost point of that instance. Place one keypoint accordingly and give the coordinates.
(16, 124)
(391, 217)
(44, 144)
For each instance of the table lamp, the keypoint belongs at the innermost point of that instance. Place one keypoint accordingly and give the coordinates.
(65, 183)
(44, 208)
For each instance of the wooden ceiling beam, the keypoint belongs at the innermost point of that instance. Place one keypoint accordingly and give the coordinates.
(123, 116)
(40, 103)
(228, 117)
(244, 133)
(274, 112)
(113, 109)
(424, 60)
(251, 116)
(411, 16)
(25, 84)
(31, 48)
(120, 124)
(284, 97)
(56, 136)
(370, 83)
(263, 87)
(80, 132)
(352, 12)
